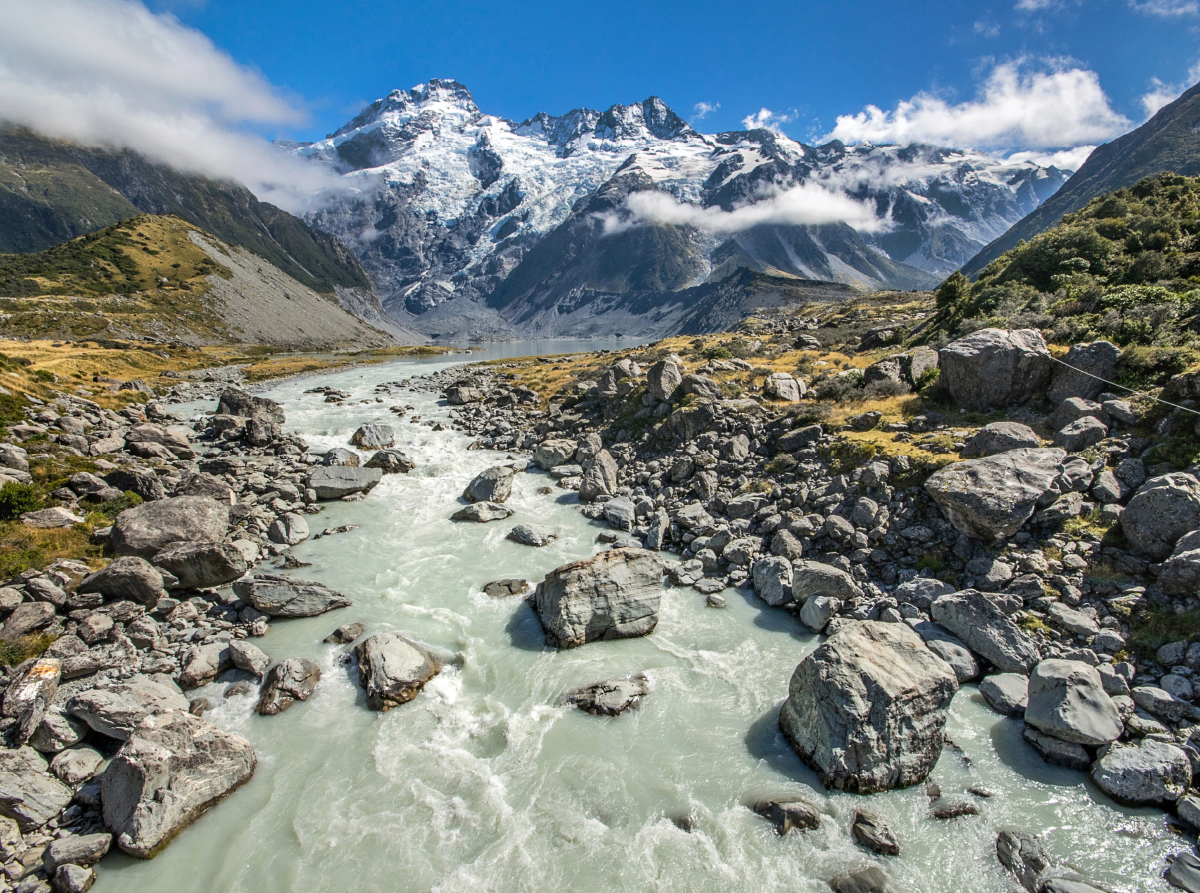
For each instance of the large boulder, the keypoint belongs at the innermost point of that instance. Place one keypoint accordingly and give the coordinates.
(337, 481)
(116, 709)
(491, 485)
(599, 480)
(391, 461)
(1087, 367)
(152, 526)
(991, 498)
(202, 565)
(1160, 512)
(1000, 437)
(772, 579)
(1150, 772)
(287, 682)
(613, 595)
(986, 630)
(993, 368)
(173, 767)
(279, 596)
(374, 436)
(1067, 700)
(236, 402)
(1180, 574)
(289, 529)
(29, 695)
(664, 377)
(132, 578)
(812, 578)
(784, 386)
(28, 794)
(392, 669)
(552, 453)
(867, 709)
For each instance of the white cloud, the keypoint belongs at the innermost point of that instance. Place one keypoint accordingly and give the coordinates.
(702, 110)
(1166, 8)
(112, 73)
(1162, 93)
(803, 204)
(1037, 5)
(987, 29)
(766, 119)
(1065, 159)
(1016, 108)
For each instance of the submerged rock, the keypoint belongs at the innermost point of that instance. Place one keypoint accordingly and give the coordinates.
(789, 812)
(612, 697)
(482, 512)
(867, 709)
(613, 595)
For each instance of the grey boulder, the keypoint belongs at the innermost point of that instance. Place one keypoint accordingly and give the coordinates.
(127, 578)
(28, 795)
(338, 481)
(772, 578)
(152, 526)
(202, 565)
(278, 596)
(613, 595)
(867, 709)
(173, 767)
(1067, 700)
(991, 498)
(393, 669)
(391, 461)
(374, 436)
(116, 709)
(611, 697)
(1087, 365)
(1160, 512)
(285, 683)
(492, 485)
(1150, 772)
(993, 368)
(1000, 437)
(599, 480)
(289, 529)
(482, 512)
(532, 535)
(986, 630)
(1006, 693)
(812, 578)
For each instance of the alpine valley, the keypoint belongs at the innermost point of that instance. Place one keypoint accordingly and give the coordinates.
(474, 226)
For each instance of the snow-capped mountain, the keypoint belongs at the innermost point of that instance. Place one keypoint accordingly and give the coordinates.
(470, 224)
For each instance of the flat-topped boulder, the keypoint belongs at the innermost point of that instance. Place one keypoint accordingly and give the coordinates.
(173, 767)
(482, 512)
(279, 596)
(147, 529)
(337, 481)
(611, 697)
(867, 708)
(613, 595)
(991, 498)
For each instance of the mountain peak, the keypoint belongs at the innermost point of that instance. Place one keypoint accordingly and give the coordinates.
(438, 91)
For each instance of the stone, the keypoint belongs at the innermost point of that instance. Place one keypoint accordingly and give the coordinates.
(374, 436)
(130, 578)
(76, 765)
(391, 461)
(772, 579)
(664, 377)
(611, 697)
(789, 812)
(600, 479)
(812, 578)
(340, 457)
(872, 832)
(1075, 622)
(949, 648)
(251, 658)
(48, 519)
(344, 635)
(818, 611)
(993, 368)
(922, 591)
(532, 535)
(1180, 574)
(1056, 751)
(482, 512)
(1024, 855)
(150, 527)
(991, 498)
(868, 707)
(552, 453)
(986, 630)
(1162, 510)
(1000, 437)
(1085, 367)
(1067, 700)
(84, 850)
(1161, 703)
(783, 386)
(278, 596)
(73, 879)
(1081, 434)
(289, 529)
(492, 485)
(336, 482)
(1184, 872)
(1006, 693)
(1149, 772)
(29, 695)
(620, 513)
(28, 795)
(863, 880)
(173, 767)
(202, 565)
(285, 683)
(27, 618)
(459, 395)
(235, 401)
(393, 669)
(613, 595)
(1072, 410)
(58, 731)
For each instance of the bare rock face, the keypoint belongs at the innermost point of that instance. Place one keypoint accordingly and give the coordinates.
(993, 368)
(152, 526)
(868, 707)
(173, 767)
(613, 595)
(991, 498)
(393, 669)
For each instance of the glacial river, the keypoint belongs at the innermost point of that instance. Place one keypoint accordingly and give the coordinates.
(486, 782)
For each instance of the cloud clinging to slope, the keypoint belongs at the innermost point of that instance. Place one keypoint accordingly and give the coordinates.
(113, 73)
(1016, 108)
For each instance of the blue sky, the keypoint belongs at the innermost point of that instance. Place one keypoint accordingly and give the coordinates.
(206, 84)
(807, 61)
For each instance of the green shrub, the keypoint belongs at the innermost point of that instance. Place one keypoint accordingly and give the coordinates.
(16, 498)
(14, 653)
(847, 455)
(718, 353)
(114, 507)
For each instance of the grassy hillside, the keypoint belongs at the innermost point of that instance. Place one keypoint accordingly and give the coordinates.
(52, 190)
(1169, 141)
(1126, 268)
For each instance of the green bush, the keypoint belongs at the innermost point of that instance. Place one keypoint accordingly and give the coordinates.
(718, 353)
(114, 507)
(16, 498)
(847, 455)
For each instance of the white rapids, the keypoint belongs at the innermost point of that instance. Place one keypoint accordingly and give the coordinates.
(486, 782)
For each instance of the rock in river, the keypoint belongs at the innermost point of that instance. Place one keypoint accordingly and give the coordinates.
(287, 682)
(279, 596)
(1150, 772)
(868, 707)
(613, 595)
(532, 535)
(336, 481)
(374, 436)
(610, 698)
(392, 669)
(1067, 700)
(173, 767)
(482, 512)
(492, 485)
(152, 526)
